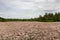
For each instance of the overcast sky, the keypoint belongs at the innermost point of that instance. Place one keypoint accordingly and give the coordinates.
(27, 8)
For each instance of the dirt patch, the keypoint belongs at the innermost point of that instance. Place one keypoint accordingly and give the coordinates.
(29, 30)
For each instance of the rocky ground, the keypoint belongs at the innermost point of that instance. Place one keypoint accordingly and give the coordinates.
(29, 30)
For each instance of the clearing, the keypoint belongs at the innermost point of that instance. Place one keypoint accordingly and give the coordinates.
(29, 30)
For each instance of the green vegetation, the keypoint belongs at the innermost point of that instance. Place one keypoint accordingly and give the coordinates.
(2, 19)
(48, 17)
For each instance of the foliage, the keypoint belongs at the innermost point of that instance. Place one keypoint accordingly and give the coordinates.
(2, 19)
(48, 17)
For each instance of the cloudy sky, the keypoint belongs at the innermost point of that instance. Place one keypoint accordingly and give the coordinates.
(27, 8)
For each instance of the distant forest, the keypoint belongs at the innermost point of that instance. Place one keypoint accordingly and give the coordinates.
(48, 17)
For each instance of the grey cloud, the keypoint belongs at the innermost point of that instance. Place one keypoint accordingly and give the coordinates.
(57, 1)
(17, 8)
(27, 0)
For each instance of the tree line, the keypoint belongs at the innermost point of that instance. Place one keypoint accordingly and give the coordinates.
(48, 17)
